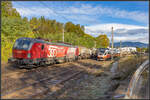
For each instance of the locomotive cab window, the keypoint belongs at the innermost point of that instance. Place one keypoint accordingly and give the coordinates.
(22, 44)
(42, 47)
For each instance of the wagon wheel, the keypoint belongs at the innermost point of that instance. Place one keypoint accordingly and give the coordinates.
(42, 64)
(67, 60)
(28, 67)
(79, 58)
(97, 59)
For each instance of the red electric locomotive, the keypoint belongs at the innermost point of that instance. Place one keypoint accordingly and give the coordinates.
(29, 51)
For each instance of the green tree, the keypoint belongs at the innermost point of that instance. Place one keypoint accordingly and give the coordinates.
(138, 49)
(7, 10)
(102, 41)
(12, 27)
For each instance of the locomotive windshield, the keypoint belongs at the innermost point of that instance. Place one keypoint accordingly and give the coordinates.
(22, 44)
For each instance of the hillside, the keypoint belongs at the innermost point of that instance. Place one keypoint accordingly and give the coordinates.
(131, 44)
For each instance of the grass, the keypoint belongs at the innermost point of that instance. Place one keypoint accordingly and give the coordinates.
(128, 65)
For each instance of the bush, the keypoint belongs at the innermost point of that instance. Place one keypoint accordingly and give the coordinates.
(12, 29)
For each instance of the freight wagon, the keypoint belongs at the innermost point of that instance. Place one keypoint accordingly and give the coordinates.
(84, 52)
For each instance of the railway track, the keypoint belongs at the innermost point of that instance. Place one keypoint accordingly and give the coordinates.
(19, 71)
(65, 86)
(4, 95)
(46, 82)
(57, 83)
(8, 83)
(23, 72)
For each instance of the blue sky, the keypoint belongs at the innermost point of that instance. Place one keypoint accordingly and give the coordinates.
(94, 15)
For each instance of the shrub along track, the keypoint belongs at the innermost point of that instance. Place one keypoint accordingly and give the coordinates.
(126, 69)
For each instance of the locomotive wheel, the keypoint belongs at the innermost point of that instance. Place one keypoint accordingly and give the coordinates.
(21, 66)
(70, 60)
(74, 59)
(67, 60)
(30, 67)
(43, 64)
(79, 58)
(97, 59)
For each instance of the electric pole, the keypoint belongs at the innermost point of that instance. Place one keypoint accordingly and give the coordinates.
(120, 49)
(63, 34)
(112, 45)
(120, 43)
(95, 44)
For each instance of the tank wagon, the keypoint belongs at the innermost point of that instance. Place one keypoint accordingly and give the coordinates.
(29, 52)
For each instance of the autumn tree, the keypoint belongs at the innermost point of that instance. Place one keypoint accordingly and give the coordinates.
(102, 41)
(7, 10)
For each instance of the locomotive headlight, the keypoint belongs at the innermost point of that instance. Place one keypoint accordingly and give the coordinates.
(29, 55)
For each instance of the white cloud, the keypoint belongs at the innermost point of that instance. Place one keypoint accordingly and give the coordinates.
(143, 39)
(82, 19)
(107, 11)
(35, 11)
(104, 28)
(87, 10)
(123, 32)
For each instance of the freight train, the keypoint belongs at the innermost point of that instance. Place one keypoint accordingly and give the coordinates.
(30, 52)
